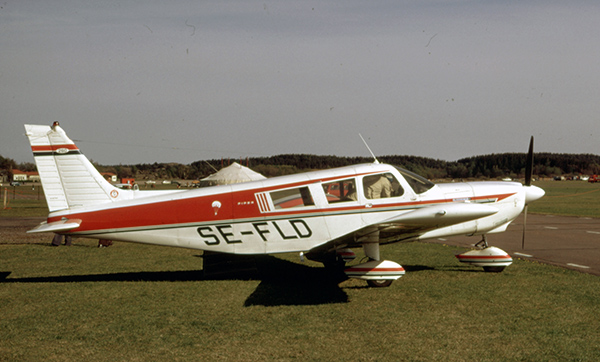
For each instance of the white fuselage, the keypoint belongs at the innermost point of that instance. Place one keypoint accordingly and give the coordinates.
(272, 216)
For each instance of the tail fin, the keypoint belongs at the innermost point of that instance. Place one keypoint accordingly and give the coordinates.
(69, 179)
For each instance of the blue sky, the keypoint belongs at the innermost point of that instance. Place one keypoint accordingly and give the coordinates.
(180, 81)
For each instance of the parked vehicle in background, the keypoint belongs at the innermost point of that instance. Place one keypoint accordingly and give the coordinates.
(594, 178)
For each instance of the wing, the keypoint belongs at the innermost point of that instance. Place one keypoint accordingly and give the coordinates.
(410, 225)
(437, 216)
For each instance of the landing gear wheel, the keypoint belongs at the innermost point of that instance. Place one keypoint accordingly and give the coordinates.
(379, 283)
(493, 269)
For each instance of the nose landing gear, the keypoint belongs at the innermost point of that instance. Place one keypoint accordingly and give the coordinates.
(491, 258)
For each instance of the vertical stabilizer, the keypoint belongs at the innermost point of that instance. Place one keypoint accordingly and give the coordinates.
(68, 177)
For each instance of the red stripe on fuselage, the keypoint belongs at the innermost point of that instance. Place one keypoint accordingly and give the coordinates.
(190, 210)
(233, 206)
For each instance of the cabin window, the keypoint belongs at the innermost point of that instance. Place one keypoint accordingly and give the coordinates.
(297, 197)
(382, 186)
(340, 191)
(418, 183)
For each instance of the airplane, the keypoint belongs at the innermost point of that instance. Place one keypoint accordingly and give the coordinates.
(322, 214)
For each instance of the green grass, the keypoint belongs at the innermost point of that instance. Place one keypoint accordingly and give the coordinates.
(22, 201)
(569, 198)
(134, 302)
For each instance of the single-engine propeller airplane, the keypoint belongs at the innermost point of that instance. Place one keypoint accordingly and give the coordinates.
(321, 214)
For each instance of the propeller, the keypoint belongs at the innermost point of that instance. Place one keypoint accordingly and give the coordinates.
(528, 177)
(529, 164)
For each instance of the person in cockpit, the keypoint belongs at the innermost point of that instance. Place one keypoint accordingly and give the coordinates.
(377, 187)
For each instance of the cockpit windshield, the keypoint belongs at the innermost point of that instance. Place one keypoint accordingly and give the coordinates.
(418, 183)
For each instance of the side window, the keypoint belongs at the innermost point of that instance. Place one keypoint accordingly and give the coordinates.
(340, 191)
(297, 197)
(418, 183)
(381, 186)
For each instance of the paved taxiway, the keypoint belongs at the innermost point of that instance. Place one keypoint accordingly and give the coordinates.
(570, 242)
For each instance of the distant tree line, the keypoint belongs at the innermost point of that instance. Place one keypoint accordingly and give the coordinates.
(513, 165)
(478, 167)
(9, 164)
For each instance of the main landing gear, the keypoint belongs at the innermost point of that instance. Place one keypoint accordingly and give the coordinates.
(381, 273)
(378, 273)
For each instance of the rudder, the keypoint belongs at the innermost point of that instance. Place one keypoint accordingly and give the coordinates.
(69, 179)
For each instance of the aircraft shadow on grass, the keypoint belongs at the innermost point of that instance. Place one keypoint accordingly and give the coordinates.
(281, 282)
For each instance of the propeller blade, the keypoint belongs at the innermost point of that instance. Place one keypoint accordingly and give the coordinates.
(529, 164)
(524, 227)
(528, 177)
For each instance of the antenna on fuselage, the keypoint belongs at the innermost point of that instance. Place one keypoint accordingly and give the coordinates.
(368, 148)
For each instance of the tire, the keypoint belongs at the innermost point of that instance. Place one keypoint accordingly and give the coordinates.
(493, 269)
(379, 283)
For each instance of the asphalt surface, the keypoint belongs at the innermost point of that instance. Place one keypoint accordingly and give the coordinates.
(569, 242)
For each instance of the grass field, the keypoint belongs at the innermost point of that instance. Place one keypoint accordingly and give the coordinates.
(570, 198)
(133, 302)
(22, 201)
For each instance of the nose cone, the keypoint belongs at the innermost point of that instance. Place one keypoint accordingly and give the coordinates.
(533, 193)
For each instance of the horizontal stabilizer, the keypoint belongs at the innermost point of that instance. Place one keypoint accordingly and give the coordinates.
(57, 226)
(443, 215)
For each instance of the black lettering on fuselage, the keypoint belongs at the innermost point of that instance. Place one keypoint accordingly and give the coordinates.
(226, 235)
(214, 235)
(306, 232)
(204, 232)
(285, 237)
(260, 231)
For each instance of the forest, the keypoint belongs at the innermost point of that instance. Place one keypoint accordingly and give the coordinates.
(492, 166)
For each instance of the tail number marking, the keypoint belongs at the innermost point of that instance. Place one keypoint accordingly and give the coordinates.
(266, 230)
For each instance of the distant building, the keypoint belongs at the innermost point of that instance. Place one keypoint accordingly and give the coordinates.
(109, 176)
(33, 176)
(23, 176)
(18, 176)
